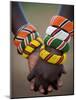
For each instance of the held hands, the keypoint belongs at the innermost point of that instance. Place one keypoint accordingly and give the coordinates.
(44, 76)
(58, 36)
(46, 65)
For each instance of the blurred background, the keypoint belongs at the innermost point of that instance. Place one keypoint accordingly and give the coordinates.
(39, 15)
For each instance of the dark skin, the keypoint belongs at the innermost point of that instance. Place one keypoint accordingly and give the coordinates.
(67, 12)
(46, 74)
(43, 79)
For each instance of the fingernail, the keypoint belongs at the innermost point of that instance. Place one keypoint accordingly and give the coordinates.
(32, 87)
(50, 89)
(42, 90)
(60, 83)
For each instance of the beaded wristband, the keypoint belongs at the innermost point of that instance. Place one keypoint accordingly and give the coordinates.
(63, 23)
(58, 35)
(30, 48)
(51, 58)
(27, 40)
(25, 34)
(57, 43)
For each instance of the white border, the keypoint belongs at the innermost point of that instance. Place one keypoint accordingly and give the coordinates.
(5, 47)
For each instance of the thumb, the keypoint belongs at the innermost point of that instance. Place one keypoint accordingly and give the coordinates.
(64, 71)
(31, 75)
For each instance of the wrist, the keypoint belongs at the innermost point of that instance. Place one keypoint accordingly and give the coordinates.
(27, 40)
(59, 33)
(52, 56)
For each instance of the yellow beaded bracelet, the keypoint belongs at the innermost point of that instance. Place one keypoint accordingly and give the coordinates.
(51, 58)
(32, 46)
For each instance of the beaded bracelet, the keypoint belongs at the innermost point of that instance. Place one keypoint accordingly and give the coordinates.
(59, 33)
(51, 58)
(27, 40)
(57, 43)
(26, 34)
(30, 48)
(63, 23)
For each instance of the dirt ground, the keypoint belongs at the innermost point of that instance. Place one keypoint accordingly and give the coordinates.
(39, 15)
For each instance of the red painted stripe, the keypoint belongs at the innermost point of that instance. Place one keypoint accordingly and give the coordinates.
(67, 38)
(62, 45)
(56, 31)
(60, 60)
(48, 57)
(50, 41)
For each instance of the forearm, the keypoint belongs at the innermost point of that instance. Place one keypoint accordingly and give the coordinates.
(60, 31)
(67, 11)
(18, 18)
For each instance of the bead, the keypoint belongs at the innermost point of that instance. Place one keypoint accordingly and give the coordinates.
(51, 58)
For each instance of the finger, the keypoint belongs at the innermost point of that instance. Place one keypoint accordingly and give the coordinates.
(36, 84)
(32, 84)
(64, 71)
(59, 75)
(50, 88)
(32, 60)
(45, 87)
(31, 75)
(54, 85)
(60, 83)
(41, 89)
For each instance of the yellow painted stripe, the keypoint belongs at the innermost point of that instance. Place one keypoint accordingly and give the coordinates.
(65, 56)
(40, 39)
(25, 55)
(54, 59)
(44, 54)
(29, 49)
(42, 47)
(35, 43)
